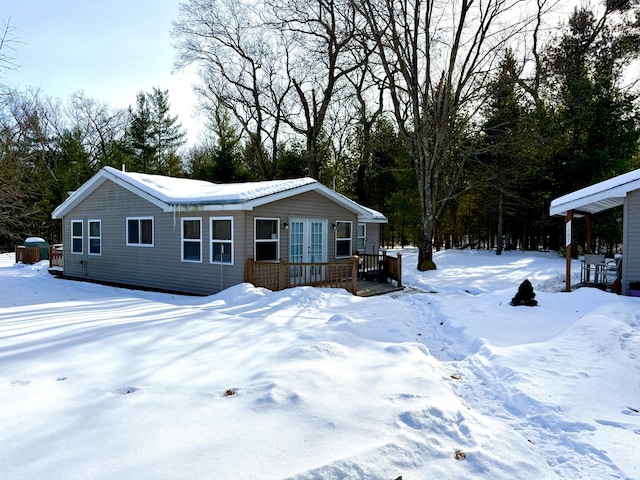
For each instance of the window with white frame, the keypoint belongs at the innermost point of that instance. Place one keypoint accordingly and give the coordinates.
(222, 240)
(362, 238)
(95, 237)
(267, 239)
(343, 239)
(76, 236)
(140, 231)
(192, 240)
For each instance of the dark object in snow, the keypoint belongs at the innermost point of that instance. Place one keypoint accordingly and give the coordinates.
(525, 295)
(616, 287)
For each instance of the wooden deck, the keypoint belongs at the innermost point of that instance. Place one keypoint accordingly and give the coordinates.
(368, 288)
(362, 275)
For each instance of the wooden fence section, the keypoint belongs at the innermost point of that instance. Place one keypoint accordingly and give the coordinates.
(281, 275)
(55, 256)
(27, 255)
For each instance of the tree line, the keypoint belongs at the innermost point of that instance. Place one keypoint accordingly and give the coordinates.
(458, 120)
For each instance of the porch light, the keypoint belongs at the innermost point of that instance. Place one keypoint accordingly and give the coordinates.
(285, 225)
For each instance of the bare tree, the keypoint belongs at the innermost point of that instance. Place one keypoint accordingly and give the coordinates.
(323, 34)
(102, 127)
(240, 63)
(436, 55)
(8, 42)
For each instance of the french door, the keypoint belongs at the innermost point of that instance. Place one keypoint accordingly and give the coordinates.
(307, 244)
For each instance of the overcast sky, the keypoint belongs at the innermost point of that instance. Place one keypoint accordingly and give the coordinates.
(109, 49)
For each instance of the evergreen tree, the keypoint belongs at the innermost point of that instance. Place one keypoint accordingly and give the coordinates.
(167, 135)
(154, 136)
(140, 134)
(599, 118)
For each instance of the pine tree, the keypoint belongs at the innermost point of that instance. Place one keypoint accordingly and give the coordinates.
(140, 136)
(167, 135)
(154, 135)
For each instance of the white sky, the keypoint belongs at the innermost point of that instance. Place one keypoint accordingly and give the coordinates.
(109, 49)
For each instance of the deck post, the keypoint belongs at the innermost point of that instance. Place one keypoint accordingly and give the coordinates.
(354, 274)
(567, 225)
(399, 279)
(281, 274)
(587, 221)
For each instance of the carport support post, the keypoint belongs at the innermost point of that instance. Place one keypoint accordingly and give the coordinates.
(567, 242)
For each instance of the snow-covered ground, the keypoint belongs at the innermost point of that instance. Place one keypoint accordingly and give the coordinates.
(108, 383)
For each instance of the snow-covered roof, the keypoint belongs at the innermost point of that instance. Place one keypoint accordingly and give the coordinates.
(596, 198)
(171, 194)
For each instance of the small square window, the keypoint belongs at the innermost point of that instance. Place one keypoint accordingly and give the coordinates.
(267, 240)
(140, 232)
(191, 240)
(222, 240)
(77, 238)
(95, 237)
(343, 239)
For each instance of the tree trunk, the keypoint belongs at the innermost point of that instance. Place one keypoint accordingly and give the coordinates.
(500, 220)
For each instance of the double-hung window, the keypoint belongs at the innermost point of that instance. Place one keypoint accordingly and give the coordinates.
(191, 239)
(140, 231)
(76, 236)
(222, 240)
(267, 239)
(343, 239)
(95, 237)
(362, 238)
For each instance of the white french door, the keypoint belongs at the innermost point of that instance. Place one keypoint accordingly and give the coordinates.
(307, 244)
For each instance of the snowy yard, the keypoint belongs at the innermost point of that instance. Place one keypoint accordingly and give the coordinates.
(107, 383)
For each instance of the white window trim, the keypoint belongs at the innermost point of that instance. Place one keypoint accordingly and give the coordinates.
(182, 239)
(89, 222)
(265, 240)
(211, 240)
(81, 237)
(363, 237)
(350, 239)
(153, 232)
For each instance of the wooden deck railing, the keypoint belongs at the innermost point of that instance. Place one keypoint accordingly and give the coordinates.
(55, 256)
(280, 275)
(27, 255)
(381, 266)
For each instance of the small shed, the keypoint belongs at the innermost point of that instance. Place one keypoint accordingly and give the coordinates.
(621, 190)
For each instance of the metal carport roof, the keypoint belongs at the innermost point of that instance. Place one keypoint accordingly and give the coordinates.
(596, 198)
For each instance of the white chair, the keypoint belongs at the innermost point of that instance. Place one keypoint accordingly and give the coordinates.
(592, 270)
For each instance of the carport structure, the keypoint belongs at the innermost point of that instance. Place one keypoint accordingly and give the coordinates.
(621, 190)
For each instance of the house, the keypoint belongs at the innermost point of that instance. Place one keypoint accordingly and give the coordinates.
(197, 237)
(621, 190)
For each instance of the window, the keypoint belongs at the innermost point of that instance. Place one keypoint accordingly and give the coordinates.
(95, 239)
(267, 239)
(343, 239)
(76, 236)
(362, 238)
(222, 240)
(140, 231)
(191, 240)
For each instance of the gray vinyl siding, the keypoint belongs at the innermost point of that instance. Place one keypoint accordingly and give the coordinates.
(306, 205)
(631, 252)
(373, 238)
(158, 267)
